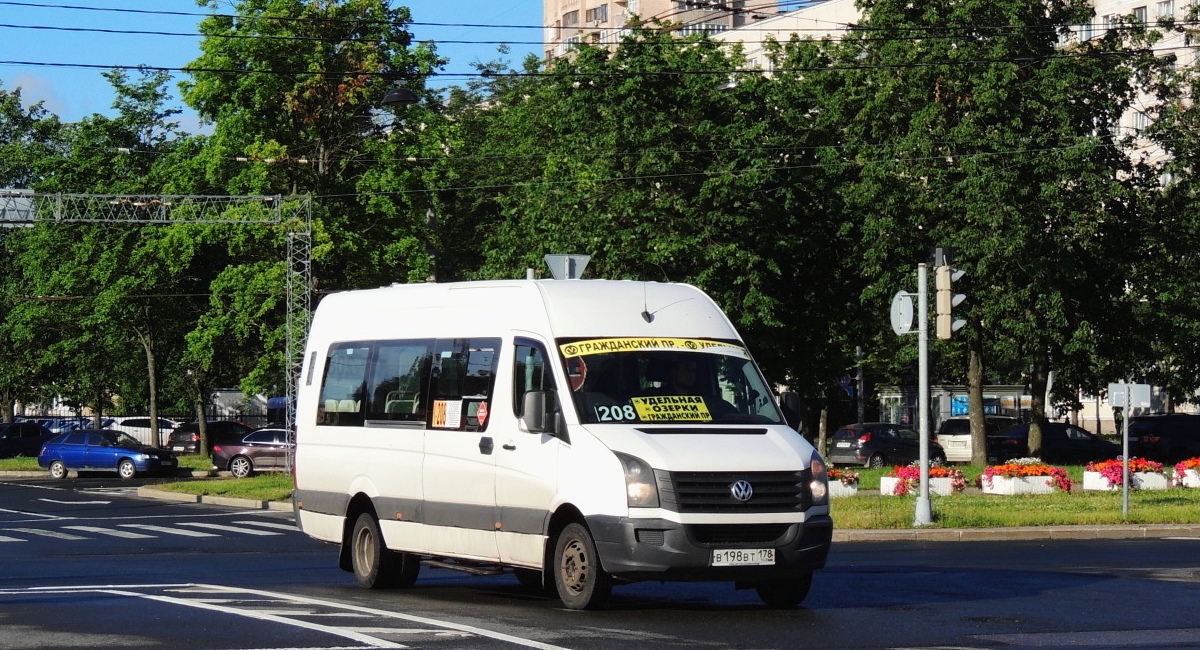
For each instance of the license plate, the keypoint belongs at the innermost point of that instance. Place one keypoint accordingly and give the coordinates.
(743, 557)
(176, 448)
(843, 444)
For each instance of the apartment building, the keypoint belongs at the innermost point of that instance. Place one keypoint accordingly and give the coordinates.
(567, 22)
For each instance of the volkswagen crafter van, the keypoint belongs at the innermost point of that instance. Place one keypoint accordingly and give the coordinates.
(582, 433)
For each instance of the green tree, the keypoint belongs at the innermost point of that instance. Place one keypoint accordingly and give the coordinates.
(974, 130)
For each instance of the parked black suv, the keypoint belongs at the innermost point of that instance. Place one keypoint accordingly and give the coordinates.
(1166, 438)
(23, 438)
(1062, 443)
(185, 439)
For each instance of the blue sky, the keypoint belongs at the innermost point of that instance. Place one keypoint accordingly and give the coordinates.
(41, 33)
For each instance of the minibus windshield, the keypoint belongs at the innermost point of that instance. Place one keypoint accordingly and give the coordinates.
(665, 381)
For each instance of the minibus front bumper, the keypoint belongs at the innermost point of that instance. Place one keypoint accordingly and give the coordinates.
(657, 549)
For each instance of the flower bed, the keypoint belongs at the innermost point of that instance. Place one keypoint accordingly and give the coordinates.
(842, 483)
(907, 480)
(1187, 473)
(1143, 475)
(1023, 476)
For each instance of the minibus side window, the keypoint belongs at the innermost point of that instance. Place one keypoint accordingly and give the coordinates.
(462, 376)
(342, 388)
(399, 372)
(530, 372)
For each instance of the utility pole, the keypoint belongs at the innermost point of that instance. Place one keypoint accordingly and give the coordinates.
(924, 513)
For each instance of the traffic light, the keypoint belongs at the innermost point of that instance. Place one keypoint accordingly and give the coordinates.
(946, 300)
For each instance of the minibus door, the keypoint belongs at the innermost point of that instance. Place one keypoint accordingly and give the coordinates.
(527, 462)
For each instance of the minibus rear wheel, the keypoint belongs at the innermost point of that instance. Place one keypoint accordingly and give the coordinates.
(374, 566)
(578, 576)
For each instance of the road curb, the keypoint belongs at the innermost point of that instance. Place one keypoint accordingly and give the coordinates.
(232, 502)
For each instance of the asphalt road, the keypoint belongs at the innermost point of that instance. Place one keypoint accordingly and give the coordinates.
(93, 565)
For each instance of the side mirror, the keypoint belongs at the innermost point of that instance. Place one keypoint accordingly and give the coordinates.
(790, 403)
(533, 411)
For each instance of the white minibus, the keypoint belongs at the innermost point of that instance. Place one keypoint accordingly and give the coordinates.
(581, 433)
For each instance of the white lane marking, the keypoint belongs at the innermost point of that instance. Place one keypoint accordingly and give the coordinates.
(499, 636)
(46, 533)
(111, 532)
(217, 589)
(232, 529)
(77, 503)
(409, 630)
(268, 524)
(11, 539)
(336, 631)
(32, 514)
(169, 531)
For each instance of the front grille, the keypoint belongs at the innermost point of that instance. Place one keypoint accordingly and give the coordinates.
(712, 492)
(721, 535)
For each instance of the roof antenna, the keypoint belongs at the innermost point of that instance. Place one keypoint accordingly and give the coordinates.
(646, 315)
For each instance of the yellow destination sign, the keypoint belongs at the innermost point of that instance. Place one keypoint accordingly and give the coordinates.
(671, 408)
(600, 346)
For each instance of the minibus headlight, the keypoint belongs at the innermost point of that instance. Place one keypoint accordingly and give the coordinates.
(819, 485)
(640, 489)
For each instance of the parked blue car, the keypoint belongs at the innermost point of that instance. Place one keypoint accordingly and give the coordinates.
(104, 450)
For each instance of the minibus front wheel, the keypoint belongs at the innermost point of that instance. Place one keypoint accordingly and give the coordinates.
(578, 576)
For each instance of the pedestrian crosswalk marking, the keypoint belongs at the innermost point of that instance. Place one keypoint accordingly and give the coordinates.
(45, 533)
(127, 534)
(169, 531)
(268, 524)
(232, 529)
(149, 531)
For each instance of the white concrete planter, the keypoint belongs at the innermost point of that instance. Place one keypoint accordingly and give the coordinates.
(1138, 481)
(1190, 479)
(839, 489)
(939, 486)
(1019, 485)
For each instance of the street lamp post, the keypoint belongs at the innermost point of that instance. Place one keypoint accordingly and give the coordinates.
(401, 96)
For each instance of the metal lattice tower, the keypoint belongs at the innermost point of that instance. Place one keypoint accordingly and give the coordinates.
(24, 208)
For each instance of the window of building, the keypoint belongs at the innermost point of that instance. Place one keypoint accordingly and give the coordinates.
(570, 19)
(1139, 15)
(597, 14)
(703, 28)
(1140, 121)
(1085, 32)
(1166, 9)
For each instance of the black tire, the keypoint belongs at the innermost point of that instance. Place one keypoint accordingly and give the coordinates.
(241, 467)
(374, 566)
(126, 469)
(578, 577)
(531, 579)
(784, 594)
(876, 461)
(58, 470)
(937, 460)
(408, 568)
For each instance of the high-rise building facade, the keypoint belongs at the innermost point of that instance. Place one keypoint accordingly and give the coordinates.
(566, 22)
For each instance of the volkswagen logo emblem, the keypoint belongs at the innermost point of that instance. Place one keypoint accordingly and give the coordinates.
(741, 490)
